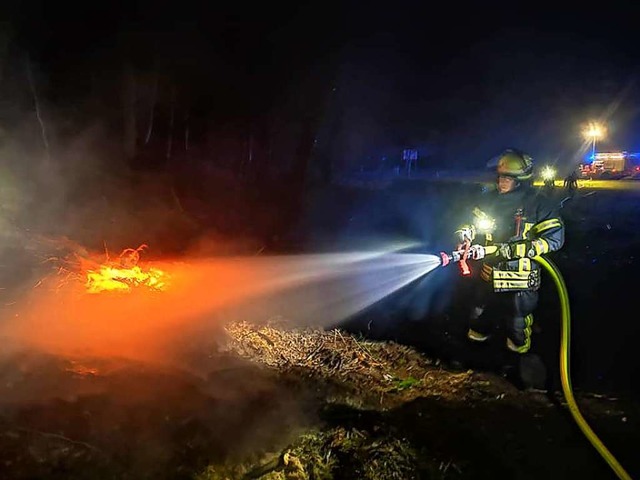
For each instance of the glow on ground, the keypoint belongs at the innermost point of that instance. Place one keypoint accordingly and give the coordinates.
(599, 184)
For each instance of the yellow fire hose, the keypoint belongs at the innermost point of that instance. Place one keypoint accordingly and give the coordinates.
(565, 376)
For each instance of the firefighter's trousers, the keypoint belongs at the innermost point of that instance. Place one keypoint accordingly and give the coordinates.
(512, 311)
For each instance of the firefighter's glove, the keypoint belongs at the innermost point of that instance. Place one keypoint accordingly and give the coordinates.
(466, 233)
(477, 252)
(505, 251)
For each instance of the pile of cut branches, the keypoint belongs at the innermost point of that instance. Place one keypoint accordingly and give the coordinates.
(386, 371)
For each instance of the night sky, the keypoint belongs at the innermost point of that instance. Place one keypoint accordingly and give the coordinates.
(459, 83)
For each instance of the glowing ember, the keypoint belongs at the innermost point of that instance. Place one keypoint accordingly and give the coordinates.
(125, 275)
(82, 370)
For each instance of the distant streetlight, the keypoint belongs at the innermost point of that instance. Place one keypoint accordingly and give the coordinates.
(594, 131)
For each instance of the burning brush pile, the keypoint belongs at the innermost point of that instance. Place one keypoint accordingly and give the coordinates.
(41, 254)
(107, 274)
(123, 274)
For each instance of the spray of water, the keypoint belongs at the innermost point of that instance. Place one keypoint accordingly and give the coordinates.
(318, 290)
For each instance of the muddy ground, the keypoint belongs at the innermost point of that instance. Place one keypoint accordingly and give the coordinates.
(393, 394)
(277, 403)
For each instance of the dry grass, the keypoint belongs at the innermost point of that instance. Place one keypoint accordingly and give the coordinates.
(383, 372)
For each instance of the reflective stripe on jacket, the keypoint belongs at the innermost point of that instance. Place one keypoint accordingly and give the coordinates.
(531, 223)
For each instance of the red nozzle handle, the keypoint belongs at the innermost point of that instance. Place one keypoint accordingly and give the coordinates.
(464, 266)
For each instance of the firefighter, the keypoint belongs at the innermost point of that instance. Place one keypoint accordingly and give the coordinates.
(522, 223)
(571, 182)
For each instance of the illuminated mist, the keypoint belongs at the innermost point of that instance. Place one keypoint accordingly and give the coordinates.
(306, 290)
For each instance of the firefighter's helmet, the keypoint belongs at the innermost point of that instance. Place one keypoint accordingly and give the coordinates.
(512, 163)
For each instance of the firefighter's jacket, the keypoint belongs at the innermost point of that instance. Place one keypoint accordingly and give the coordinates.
(530, 223)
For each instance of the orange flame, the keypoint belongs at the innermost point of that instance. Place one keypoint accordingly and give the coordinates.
(125, 275)
(123, 279)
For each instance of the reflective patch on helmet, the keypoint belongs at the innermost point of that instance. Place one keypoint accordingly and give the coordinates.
(512, 163)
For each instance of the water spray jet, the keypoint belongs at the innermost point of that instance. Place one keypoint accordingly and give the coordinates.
(147, 324)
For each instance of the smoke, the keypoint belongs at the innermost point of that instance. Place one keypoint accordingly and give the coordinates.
(307, 290)
(69, 186)
(76, 193)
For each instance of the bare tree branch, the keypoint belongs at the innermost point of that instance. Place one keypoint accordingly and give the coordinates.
(171, 118)
(6, 32)
(36, 103)
(129, 111)
(153, 108)
(186, 132)
(61, 437)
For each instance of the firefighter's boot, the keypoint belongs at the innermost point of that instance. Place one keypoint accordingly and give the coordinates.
(476, 326)
(533, 373)
(476, 336)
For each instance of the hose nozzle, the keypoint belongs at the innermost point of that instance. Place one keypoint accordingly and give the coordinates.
(445, 259)
(465, 251)
(458, 256)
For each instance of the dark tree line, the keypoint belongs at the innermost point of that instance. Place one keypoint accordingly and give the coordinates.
(225, 103)
(244, 91)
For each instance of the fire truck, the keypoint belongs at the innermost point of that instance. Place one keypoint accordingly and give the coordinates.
(612, 165)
